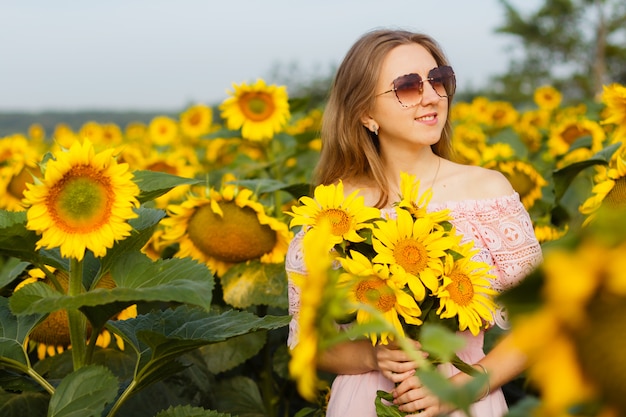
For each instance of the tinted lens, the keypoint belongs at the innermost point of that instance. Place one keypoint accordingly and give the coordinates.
(409, 89)
(443, 81)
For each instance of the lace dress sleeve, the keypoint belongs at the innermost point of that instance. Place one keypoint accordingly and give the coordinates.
(296, 272)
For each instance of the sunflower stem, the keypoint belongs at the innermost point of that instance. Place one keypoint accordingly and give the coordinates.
(129, 389)
(77, 321)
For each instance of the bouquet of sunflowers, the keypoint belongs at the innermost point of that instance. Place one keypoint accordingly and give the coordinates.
(404, 266)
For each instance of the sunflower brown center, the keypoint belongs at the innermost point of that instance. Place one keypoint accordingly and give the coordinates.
(376, 293)
(235, 237)
(461, 289)
(339, 220)
(81, 201)
(256, 106)
(411, 255)
(573, 132)
(616, 198)
(195, 119)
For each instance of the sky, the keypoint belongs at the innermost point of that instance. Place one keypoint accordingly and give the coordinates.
(164, 55)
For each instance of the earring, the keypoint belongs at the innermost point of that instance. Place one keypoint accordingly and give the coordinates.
(375, 130)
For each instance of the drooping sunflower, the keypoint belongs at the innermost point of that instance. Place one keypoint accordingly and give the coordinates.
(226, 228)
(83, 202)
(609, 188)
(259, 110)
(347, 215)
(413, 249)
(466, 291)
(524, 178)
(547, 97)
(196, 120)
(417, 204)
(373, 285)
(52, 335)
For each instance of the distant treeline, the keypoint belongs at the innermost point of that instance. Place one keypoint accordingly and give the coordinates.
(19, 122)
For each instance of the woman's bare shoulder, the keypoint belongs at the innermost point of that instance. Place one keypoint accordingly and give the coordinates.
(367, 191)
(468, 182)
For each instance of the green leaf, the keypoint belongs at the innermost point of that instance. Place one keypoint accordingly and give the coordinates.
(31, 404)
(10, 270)
(241, 397)
(563, 177)
(189, 411)
(13, 332)
(386, 409)
(161, 336)
(261, 185)
(84, 393)
(154, 184)
(255, 283)
(222, 356)
(441, 342)
(461, 396)
(138, 278)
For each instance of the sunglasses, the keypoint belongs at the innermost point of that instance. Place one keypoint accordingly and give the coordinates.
(409, 88)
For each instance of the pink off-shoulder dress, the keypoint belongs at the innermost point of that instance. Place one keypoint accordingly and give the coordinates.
(502, 231)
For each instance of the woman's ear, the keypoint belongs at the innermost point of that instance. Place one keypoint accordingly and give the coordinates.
(370, 124)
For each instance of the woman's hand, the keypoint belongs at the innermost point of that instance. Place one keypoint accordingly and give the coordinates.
(395, 364)
(412, 397)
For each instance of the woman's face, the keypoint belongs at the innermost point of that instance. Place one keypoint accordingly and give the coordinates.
(405, 128)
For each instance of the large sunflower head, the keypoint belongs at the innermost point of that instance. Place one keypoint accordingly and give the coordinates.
(466, 293)
(570, 129)
(614, 97)
(259, 110)
(377, 294)
(347, 215)
(225, 228)
(414, 249)
(524, 178)
(83, 202)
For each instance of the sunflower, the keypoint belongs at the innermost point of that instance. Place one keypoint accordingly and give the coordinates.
(547, 97)
(614, 97)
(318, 298)
(83, 202)
(501, 114)
(568, 131)
(347, 215)
(226, 228)
(413, 249)
(259, 110)
(52, 335)
(36, 132)
(609, 188)
(531, 127)
(91, 131)
(162, 130)
(374, 286)
(466, 291)
(18, 166)
(416, 204)
(524, 178)
(196, 120)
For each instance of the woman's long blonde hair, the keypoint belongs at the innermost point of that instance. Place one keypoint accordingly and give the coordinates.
(349, 150)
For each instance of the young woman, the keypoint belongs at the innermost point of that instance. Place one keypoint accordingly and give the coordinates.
(388, 112)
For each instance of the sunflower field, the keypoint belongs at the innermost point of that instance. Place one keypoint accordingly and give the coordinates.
(142, 266)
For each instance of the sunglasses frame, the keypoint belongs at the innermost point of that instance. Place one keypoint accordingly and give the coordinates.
(421, 88)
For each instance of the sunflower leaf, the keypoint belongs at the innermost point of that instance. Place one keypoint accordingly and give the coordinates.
(255, 283)
(10, 270)
(564, 176)
(161, 336)
(138, 278)
(240, 396)
(84, 393)
(154, 184)
(13, 332)
(189, 411)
